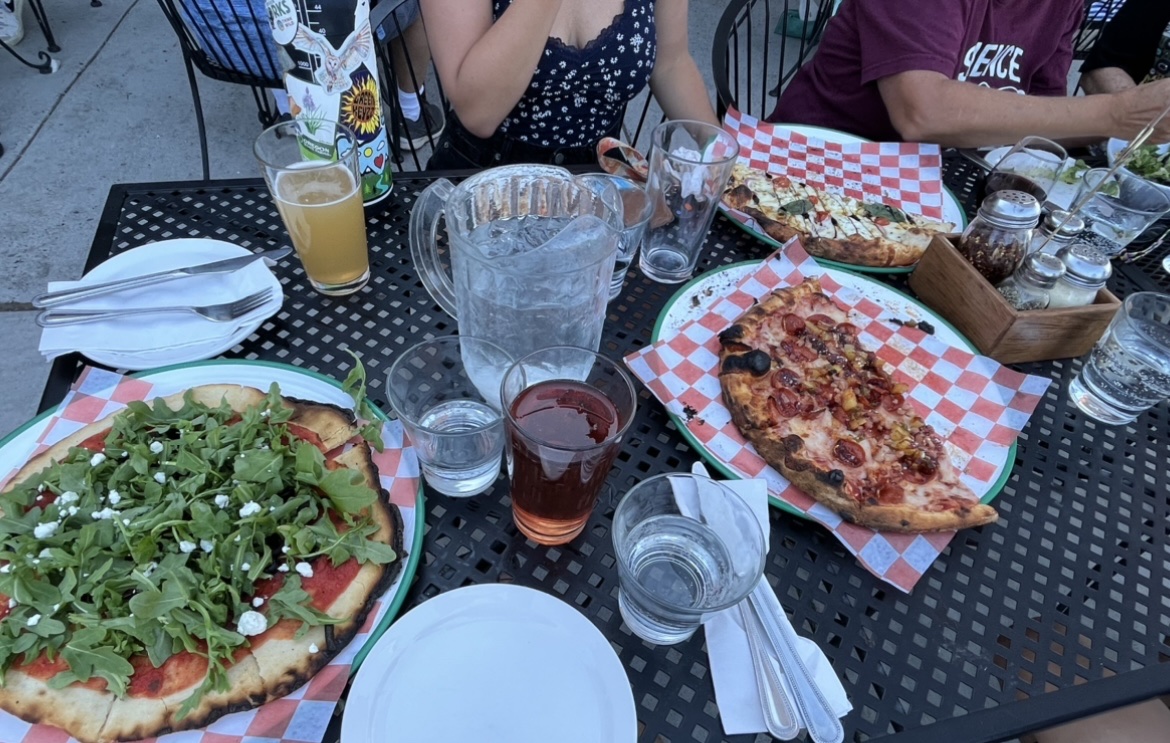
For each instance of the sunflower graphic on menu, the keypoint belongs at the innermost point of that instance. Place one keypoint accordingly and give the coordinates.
(360, 108)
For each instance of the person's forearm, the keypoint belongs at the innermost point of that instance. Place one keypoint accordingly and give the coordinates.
(678, 86)
(1106, 80)
(957, 114)
(497, 69)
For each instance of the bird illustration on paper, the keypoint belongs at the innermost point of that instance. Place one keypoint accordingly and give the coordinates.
(336, 64)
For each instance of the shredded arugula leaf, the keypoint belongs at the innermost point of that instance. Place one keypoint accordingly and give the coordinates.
(156, 544)
(355, 386)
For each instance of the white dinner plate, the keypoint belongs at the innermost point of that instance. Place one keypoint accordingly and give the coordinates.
(1114, 147)
(160, 256)
(492, 663)
(1062, 192)
(693, 299)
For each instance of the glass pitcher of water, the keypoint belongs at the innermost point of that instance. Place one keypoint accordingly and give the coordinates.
(531, 253)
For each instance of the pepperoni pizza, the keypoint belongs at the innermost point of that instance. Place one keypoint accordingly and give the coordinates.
(823, 411)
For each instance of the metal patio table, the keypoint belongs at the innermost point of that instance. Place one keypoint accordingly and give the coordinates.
(1059, 610)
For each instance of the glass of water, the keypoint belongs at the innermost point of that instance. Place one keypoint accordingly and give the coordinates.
(690, 163)
(636, 210)
(1128, 371)
(1123, 208)
(687, 546)
(457, 430)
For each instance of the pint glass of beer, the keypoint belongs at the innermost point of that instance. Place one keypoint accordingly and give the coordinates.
(311, 171)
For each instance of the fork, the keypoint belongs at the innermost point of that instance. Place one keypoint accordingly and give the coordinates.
(224, 312)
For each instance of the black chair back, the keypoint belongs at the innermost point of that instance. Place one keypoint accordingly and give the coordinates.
(759, 45)
(229, 41)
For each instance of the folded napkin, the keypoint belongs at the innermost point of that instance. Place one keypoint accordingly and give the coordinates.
(730, 658)
(163, 331)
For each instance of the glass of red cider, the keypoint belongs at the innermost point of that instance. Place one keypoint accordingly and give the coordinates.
(565, 412)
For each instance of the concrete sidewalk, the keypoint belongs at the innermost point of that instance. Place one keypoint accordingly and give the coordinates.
(118, 110)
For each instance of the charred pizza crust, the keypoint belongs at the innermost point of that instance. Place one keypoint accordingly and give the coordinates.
(269, 671)
(829, 226)
(806, 441)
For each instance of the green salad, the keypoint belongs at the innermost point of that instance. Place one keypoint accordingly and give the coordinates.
(1149, 164)
(153, 541)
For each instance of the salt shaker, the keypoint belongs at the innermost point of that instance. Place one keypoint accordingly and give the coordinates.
(1057, 230)
(1028, 288)
(1087, 268)
(998, 238)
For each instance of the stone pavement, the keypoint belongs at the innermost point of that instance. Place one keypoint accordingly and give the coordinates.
(118, 110)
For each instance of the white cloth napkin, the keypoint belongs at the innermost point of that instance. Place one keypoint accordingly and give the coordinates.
(729, 656)
(170, 330)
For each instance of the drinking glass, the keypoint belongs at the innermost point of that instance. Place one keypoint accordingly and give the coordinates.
(690, 163)
(446, 393)
(686, 546)
(565, 411)
(1128, 371)
(636, 211)
(312, 173)
(1031, 166)
(1124, 208)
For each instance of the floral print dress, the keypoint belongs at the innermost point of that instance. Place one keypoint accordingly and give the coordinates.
(577, 94)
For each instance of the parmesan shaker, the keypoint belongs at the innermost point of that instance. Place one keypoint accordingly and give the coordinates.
(1087, 268)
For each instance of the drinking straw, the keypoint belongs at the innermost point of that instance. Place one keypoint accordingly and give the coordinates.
(1118, 162)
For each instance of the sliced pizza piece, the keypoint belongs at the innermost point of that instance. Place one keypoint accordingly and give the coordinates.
(822, 410)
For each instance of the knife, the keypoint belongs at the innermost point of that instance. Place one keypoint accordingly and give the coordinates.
(52, 299)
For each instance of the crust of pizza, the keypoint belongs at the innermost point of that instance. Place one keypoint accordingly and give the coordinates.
(940, 504)
(838, 229)
(268, 672)
(80, 710)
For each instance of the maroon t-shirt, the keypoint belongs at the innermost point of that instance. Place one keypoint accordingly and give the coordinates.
(1019, 45)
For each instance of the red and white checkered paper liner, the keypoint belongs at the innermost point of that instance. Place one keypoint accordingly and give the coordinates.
(907, 175)
(974, 403)
(303, 715)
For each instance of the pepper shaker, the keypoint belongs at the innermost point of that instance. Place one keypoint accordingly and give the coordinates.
(997, 240)
(1056, 231)
(1028, 288)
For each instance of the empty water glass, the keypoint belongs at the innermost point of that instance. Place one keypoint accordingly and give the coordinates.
(636, 210)
(457, 430)
(690, 163)
(1128, 371)
(687, 546)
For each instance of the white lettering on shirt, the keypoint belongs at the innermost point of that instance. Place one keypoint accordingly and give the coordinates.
(995, 61)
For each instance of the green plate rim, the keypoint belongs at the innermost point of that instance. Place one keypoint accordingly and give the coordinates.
(412, 559)
(656, 334)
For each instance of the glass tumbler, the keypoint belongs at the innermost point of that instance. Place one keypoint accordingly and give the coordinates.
(1031, 166)
(1124, 207)
(1128, 371)
(686, 546)
(636, 210)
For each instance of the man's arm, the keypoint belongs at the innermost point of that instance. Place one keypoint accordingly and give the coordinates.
(1106, 80)
(930, 107)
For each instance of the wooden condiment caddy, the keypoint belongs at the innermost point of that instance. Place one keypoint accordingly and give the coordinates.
(951, 286)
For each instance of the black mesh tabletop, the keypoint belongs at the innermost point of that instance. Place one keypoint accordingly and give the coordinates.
(1058, 610)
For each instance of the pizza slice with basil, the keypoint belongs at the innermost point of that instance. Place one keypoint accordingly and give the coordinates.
(183, 559)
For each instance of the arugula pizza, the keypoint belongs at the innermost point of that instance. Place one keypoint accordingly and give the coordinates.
(187, 558)
(829, 225)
